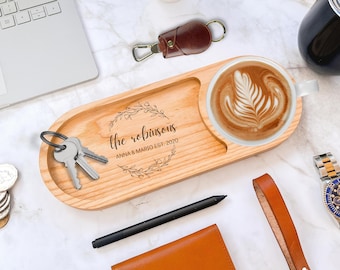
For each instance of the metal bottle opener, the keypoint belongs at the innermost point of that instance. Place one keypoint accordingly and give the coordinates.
(191, 38)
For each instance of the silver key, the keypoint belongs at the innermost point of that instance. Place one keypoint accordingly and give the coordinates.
(67, 156)
(80, 160)
(87, 152)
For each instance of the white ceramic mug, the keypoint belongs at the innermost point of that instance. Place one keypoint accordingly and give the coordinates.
(252, 100)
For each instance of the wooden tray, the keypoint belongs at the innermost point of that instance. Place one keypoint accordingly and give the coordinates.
(153, 136)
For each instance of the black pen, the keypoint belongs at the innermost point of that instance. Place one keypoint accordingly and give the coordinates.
(151, 223)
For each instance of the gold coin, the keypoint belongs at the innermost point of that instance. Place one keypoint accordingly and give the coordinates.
(4, 221)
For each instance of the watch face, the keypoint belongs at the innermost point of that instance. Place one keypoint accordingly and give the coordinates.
(332, 197)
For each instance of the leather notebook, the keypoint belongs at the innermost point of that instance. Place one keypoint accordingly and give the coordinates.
(204, 250)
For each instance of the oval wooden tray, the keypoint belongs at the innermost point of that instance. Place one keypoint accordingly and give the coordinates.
(153, 136)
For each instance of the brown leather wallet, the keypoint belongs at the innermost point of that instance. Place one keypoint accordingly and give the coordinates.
(280, 221)
(204, 250)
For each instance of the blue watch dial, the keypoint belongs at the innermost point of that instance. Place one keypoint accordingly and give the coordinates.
(332, 196)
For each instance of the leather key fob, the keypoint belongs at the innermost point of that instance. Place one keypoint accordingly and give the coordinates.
(191, 38)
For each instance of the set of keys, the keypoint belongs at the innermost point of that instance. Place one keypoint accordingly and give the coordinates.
(71, 152)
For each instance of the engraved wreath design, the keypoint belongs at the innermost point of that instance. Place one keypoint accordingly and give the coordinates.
(129, 112)
(156, 166)
(158, 163)
(251, 107)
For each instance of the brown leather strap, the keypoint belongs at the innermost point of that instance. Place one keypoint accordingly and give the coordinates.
(191, 38)
(280, 221)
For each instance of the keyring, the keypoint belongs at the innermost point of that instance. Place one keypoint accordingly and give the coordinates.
(223, 27)
(55, 134)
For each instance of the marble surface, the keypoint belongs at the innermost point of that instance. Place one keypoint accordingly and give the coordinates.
(44, 233)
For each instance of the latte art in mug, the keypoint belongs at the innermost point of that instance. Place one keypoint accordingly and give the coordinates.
(251, 101)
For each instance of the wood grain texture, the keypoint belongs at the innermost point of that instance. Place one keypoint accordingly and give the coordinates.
(153, 136)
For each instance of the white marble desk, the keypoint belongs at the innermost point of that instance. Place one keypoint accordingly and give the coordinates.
(44, 233)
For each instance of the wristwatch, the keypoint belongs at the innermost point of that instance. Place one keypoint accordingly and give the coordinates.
(329, 171)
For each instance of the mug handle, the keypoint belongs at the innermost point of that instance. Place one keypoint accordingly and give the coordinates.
(306, 87)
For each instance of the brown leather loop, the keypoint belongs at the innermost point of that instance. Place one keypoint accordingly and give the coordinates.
(280, 221)
(191, 38)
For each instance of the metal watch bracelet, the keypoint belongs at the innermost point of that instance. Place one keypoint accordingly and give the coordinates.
(329, 171)
(327, 166)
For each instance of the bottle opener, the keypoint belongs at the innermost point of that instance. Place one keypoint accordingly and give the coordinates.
(191, 38)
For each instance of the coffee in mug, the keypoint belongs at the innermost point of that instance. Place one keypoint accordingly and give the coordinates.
(252, 100)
